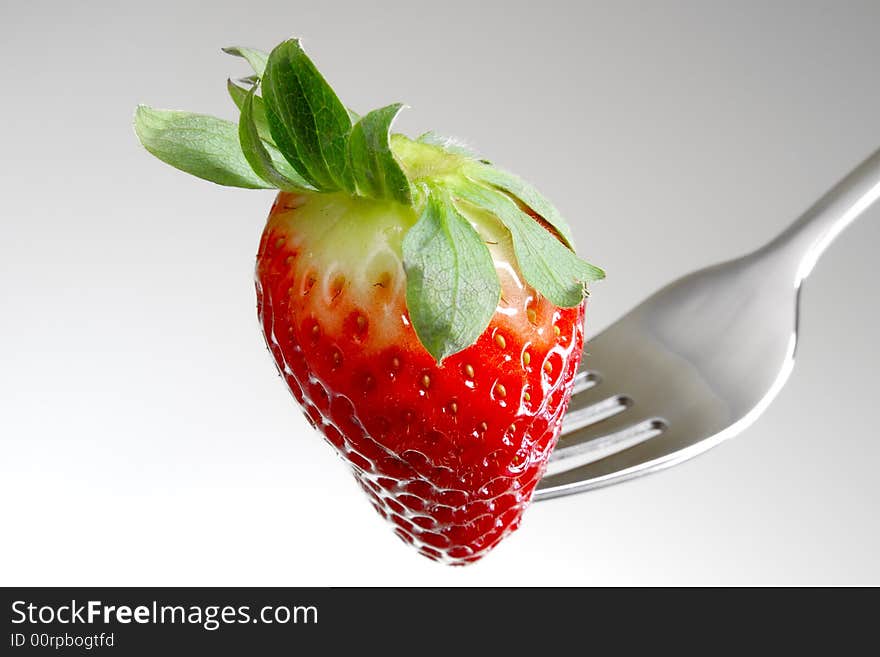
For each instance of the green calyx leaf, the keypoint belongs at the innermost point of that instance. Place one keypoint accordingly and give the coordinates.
(547, 264)
(523, 192)
(452, 289)
(256, 58)
(200, 145)
(308, 122)
(377, 174)
(238, 96)
(269, 165)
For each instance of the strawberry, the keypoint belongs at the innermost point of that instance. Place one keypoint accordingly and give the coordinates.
(449, 453)
(424, 307)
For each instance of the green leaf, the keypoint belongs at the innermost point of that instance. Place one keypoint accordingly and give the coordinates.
(278, 174)
(256, 58)
(547, 264)
(524, 192)
(452, 289)
(308, 122)
(201, 145)
(376, 173)
(238, 96)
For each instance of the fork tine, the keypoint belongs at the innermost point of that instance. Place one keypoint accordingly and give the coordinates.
(602, 440)
(612, 413)
(583, 415)
(584, 380)
(670, 446)
(587, 390)
(626, 415)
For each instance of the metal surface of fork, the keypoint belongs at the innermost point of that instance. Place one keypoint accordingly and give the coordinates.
(701, 359)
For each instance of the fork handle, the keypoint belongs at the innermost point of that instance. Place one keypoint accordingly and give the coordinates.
(808, 237)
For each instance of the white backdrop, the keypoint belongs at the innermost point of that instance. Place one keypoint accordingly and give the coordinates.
(144, 437)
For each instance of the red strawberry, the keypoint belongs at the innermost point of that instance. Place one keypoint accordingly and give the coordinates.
(424, 307)
(449, 453)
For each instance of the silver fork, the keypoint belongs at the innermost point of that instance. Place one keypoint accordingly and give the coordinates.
(700, 360)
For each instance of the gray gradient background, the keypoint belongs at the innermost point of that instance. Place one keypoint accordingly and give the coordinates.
(144, 437)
